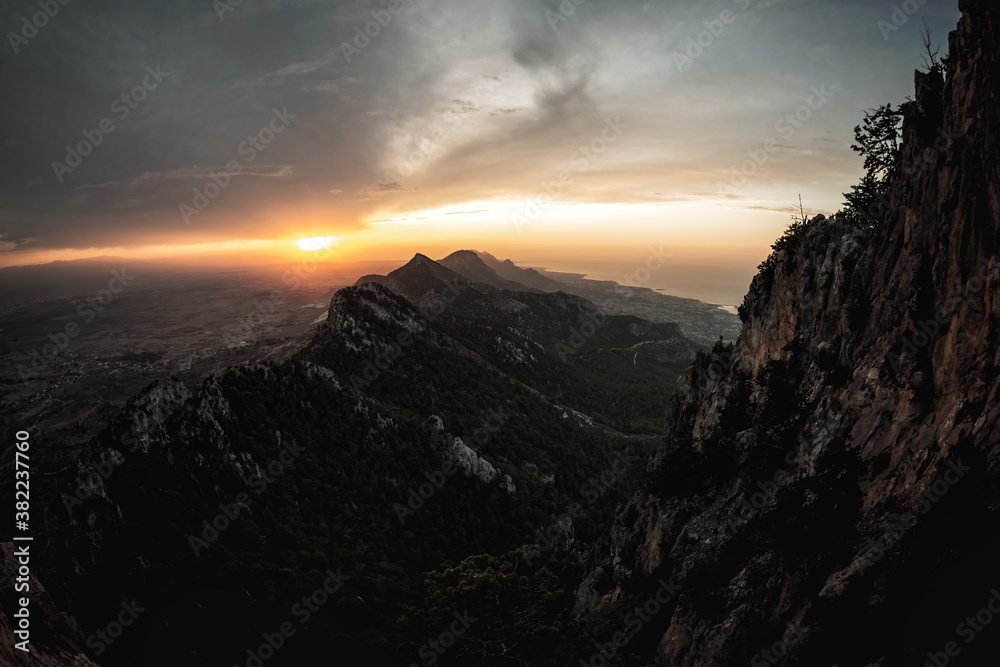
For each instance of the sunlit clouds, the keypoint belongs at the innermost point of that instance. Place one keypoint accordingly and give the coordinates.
(451, 122)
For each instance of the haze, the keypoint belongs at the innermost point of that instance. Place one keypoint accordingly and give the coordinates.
(574, 136)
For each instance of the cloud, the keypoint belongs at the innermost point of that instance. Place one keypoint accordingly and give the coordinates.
(297, 69)
(263, 170)
(242, 11)
(500, 101)
(461, 106)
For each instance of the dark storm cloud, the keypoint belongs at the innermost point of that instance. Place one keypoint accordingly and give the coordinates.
(225, 77)
(415, 80)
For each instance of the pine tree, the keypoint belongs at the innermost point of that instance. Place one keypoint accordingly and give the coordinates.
(878, 141)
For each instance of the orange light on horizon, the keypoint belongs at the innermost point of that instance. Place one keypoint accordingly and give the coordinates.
(314, 243)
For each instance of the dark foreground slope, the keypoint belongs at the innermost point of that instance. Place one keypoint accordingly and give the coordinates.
(828, 490)
(387, 478)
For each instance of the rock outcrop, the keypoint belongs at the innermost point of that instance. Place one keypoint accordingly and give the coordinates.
(455, 454)
(49, 632)
(828, 488)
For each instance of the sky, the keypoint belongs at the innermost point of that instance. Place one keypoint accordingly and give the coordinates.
(574, 134)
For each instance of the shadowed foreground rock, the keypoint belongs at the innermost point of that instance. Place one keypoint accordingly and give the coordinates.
(50, 645)
(827, 491)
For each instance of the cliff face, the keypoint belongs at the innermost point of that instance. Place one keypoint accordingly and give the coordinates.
(49, 632)
(827, 491)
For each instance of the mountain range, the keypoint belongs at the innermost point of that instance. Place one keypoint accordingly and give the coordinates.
(701, 322)
(425, 396)
(467, 467)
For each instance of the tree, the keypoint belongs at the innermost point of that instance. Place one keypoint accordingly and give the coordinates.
(788, 240)
(878, 141)
(801, 217)
(933, 61)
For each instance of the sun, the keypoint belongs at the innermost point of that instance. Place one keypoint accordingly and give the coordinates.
(316, 243)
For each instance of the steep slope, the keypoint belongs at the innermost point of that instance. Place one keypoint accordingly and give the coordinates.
(404, 440)
(422, 275)
(561, 321)
(828, 489)
(558, 344)
(49, 643)
(700, 322)
(427, 283)
(468, 264)
(219, 509)
(511, 271)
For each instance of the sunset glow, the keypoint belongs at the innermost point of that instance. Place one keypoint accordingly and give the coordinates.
(316, 243)
(498, 315)
(546, 143)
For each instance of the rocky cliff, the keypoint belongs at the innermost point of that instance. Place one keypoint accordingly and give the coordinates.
(827, 490)
(49, 632)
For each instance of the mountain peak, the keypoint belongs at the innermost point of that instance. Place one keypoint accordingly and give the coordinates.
(470, 264)
(420, 258)
(508, 270)
(421, 276)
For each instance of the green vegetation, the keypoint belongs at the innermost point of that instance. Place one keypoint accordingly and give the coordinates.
(362, 452)
(878, 142)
